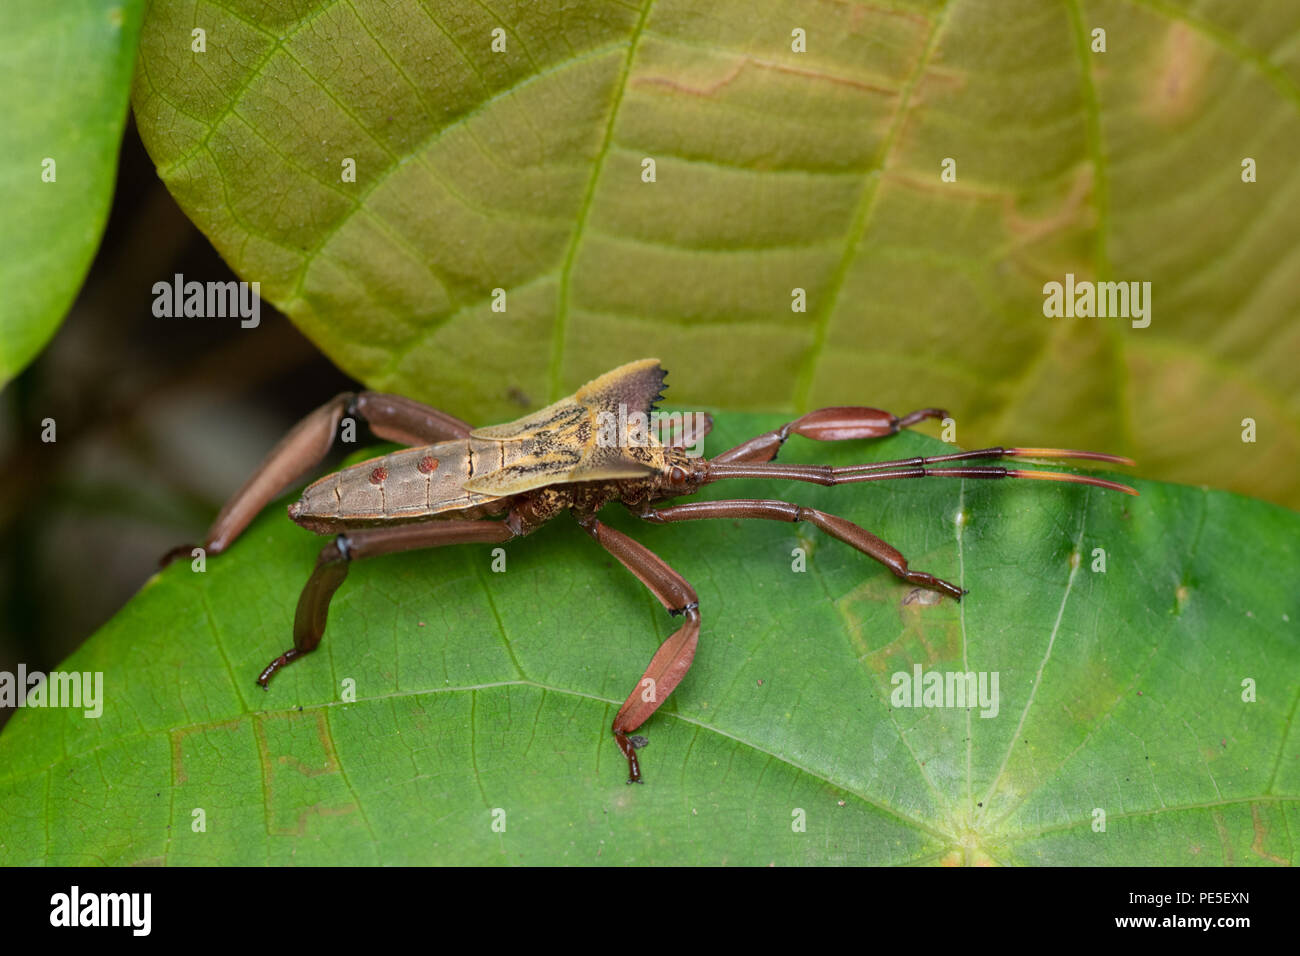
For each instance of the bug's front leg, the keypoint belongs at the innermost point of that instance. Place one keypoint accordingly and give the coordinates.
(673, 658)
(392, 417)
(335, 557)
(838, 423)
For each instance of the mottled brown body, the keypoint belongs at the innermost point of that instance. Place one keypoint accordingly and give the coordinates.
(543, 464)
(407, 485)
(577, 455)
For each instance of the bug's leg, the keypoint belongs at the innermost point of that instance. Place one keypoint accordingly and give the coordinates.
(673, 658)
(332, 568)
(838, 423)
(406, 421)
(391, 417)
(846, 531)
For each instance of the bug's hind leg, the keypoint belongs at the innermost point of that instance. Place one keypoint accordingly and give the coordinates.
(841, 528)
(332, 568)
(391, 417)
(673, 658)
(838, 423)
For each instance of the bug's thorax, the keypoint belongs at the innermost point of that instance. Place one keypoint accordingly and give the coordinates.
(676, 474)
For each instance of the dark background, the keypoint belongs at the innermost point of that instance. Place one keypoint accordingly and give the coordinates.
(157, 422)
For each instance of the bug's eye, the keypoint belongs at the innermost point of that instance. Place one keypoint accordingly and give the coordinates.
(677, 475)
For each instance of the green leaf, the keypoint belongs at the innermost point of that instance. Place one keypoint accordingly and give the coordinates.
(65, 73)
(1119, 691)
(775, 170)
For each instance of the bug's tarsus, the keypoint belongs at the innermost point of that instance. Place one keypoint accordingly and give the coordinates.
(629, 751)
(679, 611)
(288, 657)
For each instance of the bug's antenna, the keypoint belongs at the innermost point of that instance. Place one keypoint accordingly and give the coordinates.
(998, 452)
(919, 468)
(1040, 475)
(1064, 453)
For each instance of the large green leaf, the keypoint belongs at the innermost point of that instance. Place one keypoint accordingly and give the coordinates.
(65, 72)
(522, 170)
(1119, 691)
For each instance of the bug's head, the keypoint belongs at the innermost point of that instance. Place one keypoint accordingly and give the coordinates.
(681, 474)
(683, 464)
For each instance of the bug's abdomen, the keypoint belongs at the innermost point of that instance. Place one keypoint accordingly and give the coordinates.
(402, 486)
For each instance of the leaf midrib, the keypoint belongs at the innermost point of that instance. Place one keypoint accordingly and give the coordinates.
(566, 270)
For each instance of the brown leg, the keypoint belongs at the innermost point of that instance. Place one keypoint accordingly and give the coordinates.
(827, 424)
(836, 527)
(332, 568)
(673, 658)
(391, 417)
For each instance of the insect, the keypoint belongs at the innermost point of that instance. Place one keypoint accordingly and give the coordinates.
(457, 484)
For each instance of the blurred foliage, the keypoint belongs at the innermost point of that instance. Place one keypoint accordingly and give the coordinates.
(65, 74)
(157, 420)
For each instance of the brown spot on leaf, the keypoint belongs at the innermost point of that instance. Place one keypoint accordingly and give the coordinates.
(1074, 210)
(1175, 88)
(1261, 831)
(710, 87)
(922, 596)
(926, 633)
